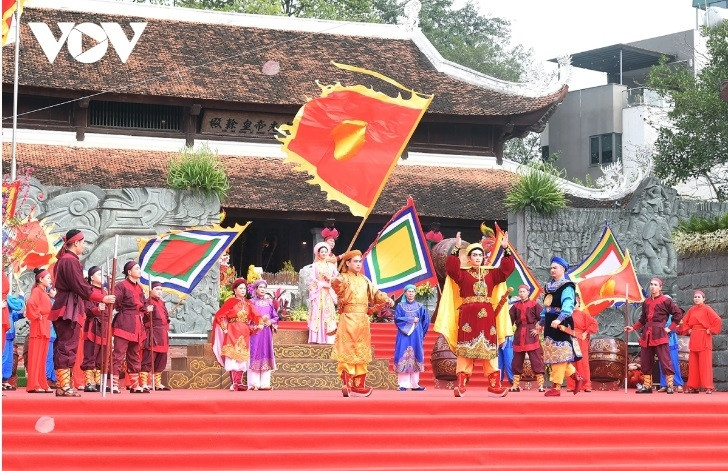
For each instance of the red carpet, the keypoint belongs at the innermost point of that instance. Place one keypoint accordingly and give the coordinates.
(320, 430)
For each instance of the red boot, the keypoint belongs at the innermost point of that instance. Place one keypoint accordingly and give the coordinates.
(578, 381)
(359, 388)
(496, 389)
(462, 381)
(345, 383)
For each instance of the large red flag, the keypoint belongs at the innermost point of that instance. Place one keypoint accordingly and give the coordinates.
(601, 291)
(349, 139)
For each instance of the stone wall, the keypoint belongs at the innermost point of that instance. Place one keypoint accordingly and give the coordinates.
(708, 272)
(643, 226)
(132, 214)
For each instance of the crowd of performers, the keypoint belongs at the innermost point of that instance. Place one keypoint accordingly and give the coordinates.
(69, 319)
(71, 324)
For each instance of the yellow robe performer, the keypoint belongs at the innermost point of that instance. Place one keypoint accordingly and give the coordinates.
(353, 344)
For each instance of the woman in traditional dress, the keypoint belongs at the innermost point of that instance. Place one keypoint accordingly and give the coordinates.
(701, 322)
(321, 298)
(37, 311)
(412, 322)
(231, 343)
(262, 359)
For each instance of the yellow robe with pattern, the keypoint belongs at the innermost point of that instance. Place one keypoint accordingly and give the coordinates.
(353, 343)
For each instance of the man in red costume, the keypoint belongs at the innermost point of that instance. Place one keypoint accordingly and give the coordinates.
(584, 326)
(477, 336)
(653, 339)
(156, 353)
(525, 314)
(128, 330)
(72, 290)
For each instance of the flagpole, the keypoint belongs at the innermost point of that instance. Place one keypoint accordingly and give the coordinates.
(13, 164)
(356, 234)
(626, 336)
(151, 333)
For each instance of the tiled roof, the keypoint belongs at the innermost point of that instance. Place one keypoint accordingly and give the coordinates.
(222, 63)
(268, 184)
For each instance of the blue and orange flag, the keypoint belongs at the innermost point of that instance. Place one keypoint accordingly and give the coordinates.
(180, 259)
(349, 139)
(399, 255)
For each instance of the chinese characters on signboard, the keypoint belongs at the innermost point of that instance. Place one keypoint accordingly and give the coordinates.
(242, 124)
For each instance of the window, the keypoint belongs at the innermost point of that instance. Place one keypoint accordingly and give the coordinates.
(605, 149)
(135, 116)
(545, 153)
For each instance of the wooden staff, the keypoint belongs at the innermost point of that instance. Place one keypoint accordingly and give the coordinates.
(107, 352)
(151, 333)
(626, 337)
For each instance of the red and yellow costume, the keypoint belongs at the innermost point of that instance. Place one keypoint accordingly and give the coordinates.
(128, 331)
(95, 330)
(525, 315)
(37, 311)
(156, 355)
(701, 322)
(467, 319)
(231, 343)
(6, 311)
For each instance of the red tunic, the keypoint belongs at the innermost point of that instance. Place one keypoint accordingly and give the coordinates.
(477, 336)
(160, 325)
(130, 305)
(6, 311)
(97, 321)
(655, 312)
(37, 311)
(697, 321)
(583, 322)
(525, 315)
(71, 289)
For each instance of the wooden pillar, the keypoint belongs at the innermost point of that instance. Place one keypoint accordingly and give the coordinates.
(191, 124)
(80, 121)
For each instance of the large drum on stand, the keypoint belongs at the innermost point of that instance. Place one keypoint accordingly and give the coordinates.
(607, 363)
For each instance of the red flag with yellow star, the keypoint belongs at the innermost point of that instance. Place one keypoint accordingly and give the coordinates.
(349, 139)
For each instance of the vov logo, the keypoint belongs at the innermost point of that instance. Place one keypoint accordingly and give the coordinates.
(72, 35)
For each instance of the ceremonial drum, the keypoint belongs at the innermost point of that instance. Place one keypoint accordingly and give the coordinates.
(607, 358)
(439, 254)
(444, 362)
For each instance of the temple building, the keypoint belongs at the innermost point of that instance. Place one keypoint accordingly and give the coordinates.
(110, 92)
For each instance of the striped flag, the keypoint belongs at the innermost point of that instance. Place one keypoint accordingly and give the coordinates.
(399, 255)
(606, 257)
(180, 259)
(9, 7)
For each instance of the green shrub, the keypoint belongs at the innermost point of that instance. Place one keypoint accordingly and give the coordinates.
(702, 225)
(537, 187)
(199, 170)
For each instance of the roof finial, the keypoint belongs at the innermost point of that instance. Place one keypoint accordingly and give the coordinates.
(411, 18)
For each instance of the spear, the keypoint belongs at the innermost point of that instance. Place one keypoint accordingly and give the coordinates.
(626, 336)
(151, 336)
(109, 307)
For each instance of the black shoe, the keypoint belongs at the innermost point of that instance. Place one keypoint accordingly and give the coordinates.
(644, 391)
(670, 390)
(90, 388)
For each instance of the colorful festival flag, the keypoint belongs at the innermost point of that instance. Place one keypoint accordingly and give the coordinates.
(597, 292)
(9, 7)
(399, 255)
(522, 275)
(606, 257)
(349, 139)
(30, 244)
(10, 199)
(180, 259)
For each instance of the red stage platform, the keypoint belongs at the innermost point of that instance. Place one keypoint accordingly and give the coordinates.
(320, 430)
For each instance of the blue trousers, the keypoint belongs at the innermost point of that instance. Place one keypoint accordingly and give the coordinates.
(505, 359)
(678, 380)
(50, 370)
(8, 360)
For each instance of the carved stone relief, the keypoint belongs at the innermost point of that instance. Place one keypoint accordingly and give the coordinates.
(131, 213)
